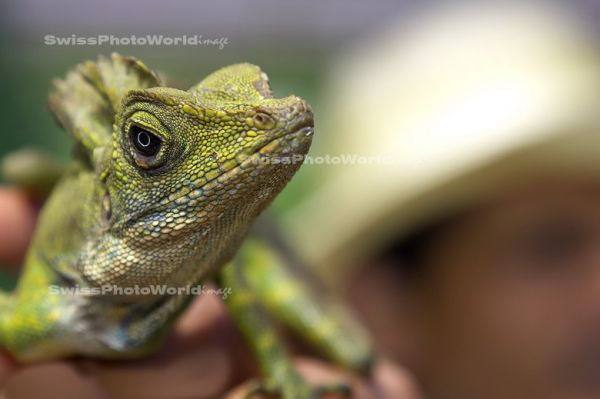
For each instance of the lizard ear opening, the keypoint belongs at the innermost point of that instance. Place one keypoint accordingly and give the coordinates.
(239, 81)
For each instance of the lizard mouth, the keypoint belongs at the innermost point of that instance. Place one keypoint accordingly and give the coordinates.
(285, 144)
(295, 142)
(299, 132)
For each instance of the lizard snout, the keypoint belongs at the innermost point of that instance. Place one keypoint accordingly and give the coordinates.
(300, 115)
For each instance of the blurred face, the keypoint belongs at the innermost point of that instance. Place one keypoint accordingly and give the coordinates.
(509, 306)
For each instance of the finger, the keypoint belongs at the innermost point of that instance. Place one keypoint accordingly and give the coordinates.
(208, 318)
(200, 372)
(17, 222)
(241, 391)
(201, 317)
(391, 381)
(316, 373)
(194, 362)
(57, 379)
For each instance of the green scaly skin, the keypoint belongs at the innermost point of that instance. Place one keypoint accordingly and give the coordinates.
(169, 208)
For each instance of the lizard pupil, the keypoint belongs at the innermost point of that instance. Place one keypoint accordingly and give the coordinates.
(145, 143)
(144, 139)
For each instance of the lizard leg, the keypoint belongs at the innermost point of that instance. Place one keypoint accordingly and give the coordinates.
(32, 332)
(7, 309)
(31, 319)
(291, 295)
(280, 379)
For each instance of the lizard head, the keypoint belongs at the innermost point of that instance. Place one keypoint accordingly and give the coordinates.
(190, 170)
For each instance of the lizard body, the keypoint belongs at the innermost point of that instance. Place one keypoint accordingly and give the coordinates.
(162, 191)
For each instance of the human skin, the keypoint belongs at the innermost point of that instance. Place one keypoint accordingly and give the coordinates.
(203, 358)
(508, 303)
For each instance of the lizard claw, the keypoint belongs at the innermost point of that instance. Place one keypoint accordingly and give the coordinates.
(260, 392)
(334, 391)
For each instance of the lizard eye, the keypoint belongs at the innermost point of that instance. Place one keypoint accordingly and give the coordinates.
(145, 143)
(263, 121)
(146, 146)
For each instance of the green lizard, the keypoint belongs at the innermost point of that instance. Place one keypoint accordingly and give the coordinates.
(162, 191)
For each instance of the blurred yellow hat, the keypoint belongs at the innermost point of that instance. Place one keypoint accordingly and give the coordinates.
(435, 115)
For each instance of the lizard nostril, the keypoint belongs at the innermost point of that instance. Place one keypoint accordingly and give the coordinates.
(299, 107)
(308, 131)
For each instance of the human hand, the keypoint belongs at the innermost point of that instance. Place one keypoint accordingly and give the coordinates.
(203, 358)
